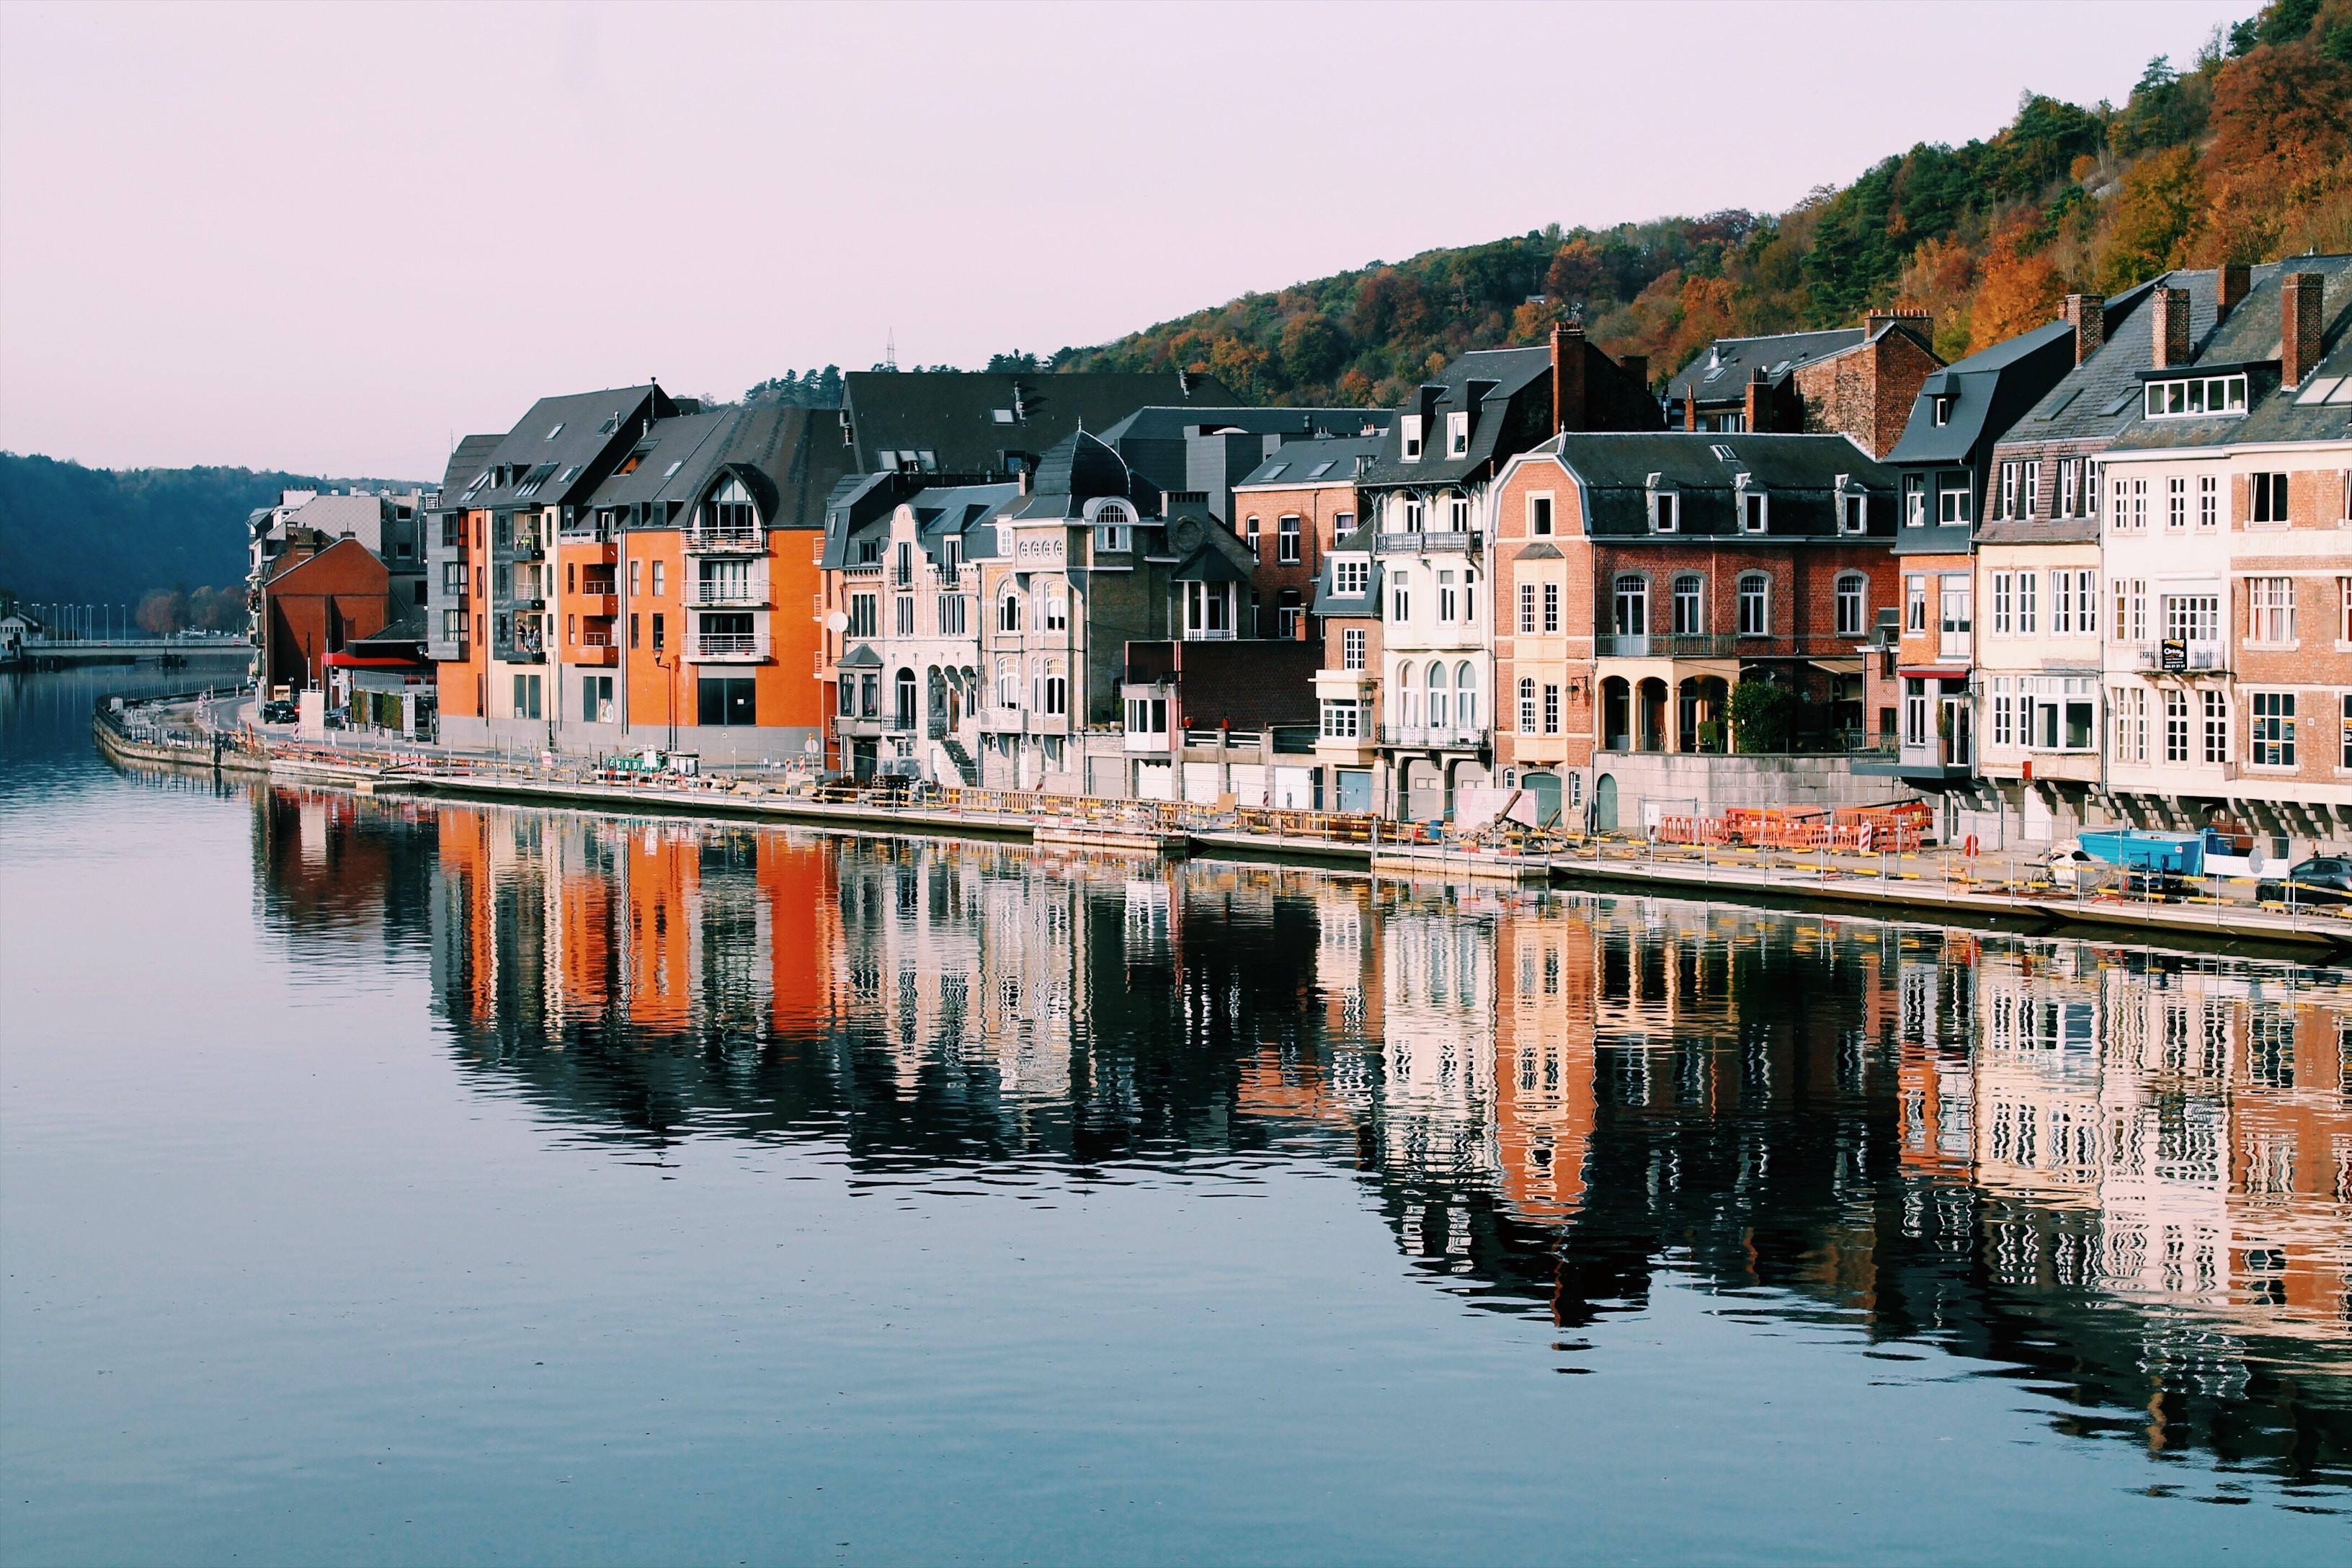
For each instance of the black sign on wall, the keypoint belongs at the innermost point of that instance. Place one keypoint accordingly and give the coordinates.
(2175, 654)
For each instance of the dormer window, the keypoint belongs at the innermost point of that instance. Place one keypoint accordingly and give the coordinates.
(2223, 394)
(1854, 507)
(1457, 435)
(1412, 422)
(1754, 507)
(1940, 408)
(1112, 522)
(1665, 507)
(1350, 576)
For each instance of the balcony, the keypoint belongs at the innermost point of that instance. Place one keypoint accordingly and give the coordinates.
(1724, 645)
(1435, 737)
(594, 653)
(730, 647)
(1425, 543)
(2193, 657)
(713, 539)
(726, 595)
(603, 606)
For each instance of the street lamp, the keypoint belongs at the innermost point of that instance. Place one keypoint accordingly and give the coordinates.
(671, 665)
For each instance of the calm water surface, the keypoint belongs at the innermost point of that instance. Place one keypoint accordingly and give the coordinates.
(389, 1183)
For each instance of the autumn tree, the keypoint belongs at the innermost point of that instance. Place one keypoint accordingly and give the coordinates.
(2153, 218)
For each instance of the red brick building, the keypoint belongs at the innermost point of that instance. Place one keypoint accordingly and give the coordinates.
(1290, 511)
(1852, 381)
(321, 597)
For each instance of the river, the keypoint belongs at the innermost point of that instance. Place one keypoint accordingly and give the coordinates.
(386, 1182)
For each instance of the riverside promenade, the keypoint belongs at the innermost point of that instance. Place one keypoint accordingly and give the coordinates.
(1932, 884)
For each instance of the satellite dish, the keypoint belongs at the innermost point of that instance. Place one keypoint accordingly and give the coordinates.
(836, 622)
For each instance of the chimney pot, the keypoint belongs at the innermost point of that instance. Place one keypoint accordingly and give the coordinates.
(2299, 302)
(2088, 313)
(2170, 328)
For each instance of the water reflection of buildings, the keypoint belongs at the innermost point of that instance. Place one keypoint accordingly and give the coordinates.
(2111, 1165)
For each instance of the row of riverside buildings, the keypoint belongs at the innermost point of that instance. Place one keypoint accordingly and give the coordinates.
(2099, 573)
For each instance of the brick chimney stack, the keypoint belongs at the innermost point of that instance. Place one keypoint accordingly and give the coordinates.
(1567, 411)
(2236, 279)
(1876, 322)
(1690, 406)
(2170, 322)
(2299, 300)
(2088, 313)
(1760, 400)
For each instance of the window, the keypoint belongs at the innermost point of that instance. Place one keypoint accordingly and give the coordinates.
(2131, 724)
(1457, 435)
(2004, 620)
(1551, 606)
(2062, 604)
(1527, 606)
(660, 642)
(1437, 693)
(2130, 504)
(1853, 511)
(1349, 578)
(1057, 609)
(1148, 716)
(1551, 709)
(1526, 706)
(453, 579)
(1915, 604)
(1915, 501)
(1940, 410)
(950, 614)
(632, 629)
(1457, 512)
(2208, 501)
(1539, 516)
(1400, 599)
(1352, 643)
(1342, 719)
(1411, 429)
(2176, 725)
(2273, 736)
(725, 701)
(1447, 604)
(2069, 487)
(1956, 596)
(1343, 523)
(861, 615)
(1953, 498)
(1008, 684)
(1416, 513)
(2196, 396)
(904, 617)
(658, 567)
(453, 626)
(2029, 609)
(2131, 609)
(2003, 731)
(2346, 760)
(1465, 695)
(2006, 504)
(2344, 609)
(2217, 725)
(1752, 509)
(1632, 606)
(1057, 695)
(1666, 512)
(1286, 541)
(2031, 496)
(1852, 592)
(2087, 602)
(1915, 711)
(2270, 496)
(1111, 535)
(2176, 503)
(2191, 617)
(1689, 619)
(1008, 612)
(1252, 539)
(1754, 608)
(2270, 610)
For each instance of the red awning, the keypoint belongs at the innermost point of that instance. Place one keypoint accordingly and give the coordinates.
(354, 661)
(1933, 674)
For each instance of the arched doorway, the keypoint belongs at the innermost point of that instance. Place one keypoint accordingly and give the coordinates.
(905, 693)
(1605, 804)
(1616, 714)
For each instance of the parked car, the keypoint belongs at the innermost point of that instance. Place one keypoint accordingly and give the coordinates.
(2323, 879)
(279, 714)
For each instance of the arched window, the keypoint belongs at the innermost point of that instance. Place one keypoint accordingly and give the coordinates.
(1526, 706)
(1008, 612)
(1008, 684)
(1113, 514)
(1457, 511)
(1754, 605)
(1632, 608)
(1408, 698)
(1690, 604)
(730, 511)
(1415, 514)
(1466, 695)
(906, 705)
(1853, 604)
(1437, 695)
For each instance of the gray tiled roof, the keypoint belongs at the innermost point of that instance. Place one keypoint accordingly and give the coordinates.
(1367, 603)
(1798, 474)
(2251, 336)
(1721, 372)
(1989, 391)
(954, 416)
(1296, 466)
(558, 450)
(1161, 422)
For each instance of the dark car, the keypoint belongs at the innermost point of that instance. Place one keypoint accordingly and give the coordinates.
(279, 714)
(2324, 879)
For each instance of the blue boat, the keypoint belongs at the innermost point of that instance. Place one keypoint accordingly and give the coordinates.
(2137, 849)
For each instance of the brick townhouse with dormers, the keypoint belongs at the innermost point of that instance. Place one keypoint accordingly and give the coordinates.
(1857, 381)
(2228, 547)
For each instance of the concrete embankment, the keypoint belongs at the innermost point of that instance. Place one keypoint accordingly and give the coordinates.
(1848, 883)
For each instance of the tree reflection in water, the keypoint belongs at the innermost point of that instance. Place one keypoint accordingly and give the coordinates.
(2121, 1174)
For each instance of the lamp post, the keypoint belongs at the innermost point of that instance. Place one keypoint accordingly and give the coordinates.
(669, 662)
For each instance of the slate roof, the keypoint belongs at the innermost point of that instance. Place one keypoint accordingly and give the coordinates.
(1301, 464)
(962, 511)
(1501, 375)
(1079, 469)
(564, 447)
(1367, 603)
(787, 458)
(861, 657)
(1989, 391)
(1164, 423)
(1720, 373)
(1210, 564)
(954, 415)
(2249, 336)
(1798, 474)
(472, 456)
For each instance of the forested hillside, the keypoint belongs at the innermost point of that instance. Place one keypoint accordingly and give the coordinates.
(107, 536)
(2242, 154)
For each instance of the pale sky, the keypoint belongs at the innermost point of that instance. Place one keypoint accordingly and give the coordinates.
(324, 237)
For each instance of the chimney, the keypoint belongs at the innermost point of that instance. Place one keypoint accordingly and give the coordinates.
(1567, 377)
(2236, 279)
(2088, 314)
(2170, 324)
(1760, 401)
(1690, 406)
(2299, 298)
(1876, 322)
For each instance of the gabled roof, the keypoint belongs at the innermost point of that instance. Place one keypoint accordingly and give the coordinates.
(2099, 398)
(1210, 564)
(564, 447)
(861, 657)
(1301, 465)
(1721, 372)
(2250, 337)
(966, 420)
(787, 458)
(1987, 392)
(1489, 379)
(471, 457)
(961, 511)
(1800, 475)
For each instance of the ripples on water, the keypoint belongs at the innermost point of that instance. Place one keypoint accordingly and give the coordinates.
(2108, 1185)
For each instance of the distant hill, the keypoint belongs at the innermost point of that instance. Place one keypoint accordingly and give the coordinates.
(2244, 156)
(107, 536)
